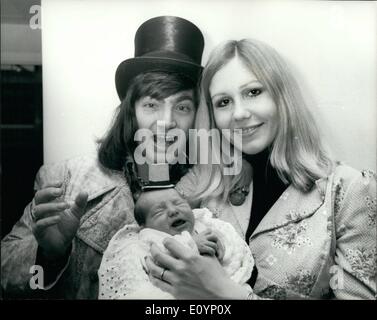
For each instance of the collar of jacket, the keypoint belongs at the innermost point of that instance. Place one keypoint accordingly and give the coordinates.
(105, 218)
(292, 206)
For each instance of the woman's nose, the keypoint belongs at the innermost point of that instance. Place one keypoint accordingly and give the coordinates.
(241, 111)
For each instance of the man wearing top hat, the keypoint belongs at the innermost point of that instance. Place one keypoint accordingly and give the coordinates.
(55, 249)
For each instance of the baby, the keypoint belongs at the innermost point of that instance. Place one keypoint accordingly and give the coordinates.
(164, 213)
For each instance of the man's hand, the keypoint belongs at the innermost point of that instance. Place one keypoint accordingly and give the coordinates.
(209, 243)
(55, 222)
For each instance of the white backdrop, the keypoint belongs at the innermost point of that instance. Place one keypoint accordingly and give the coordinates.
(331, 47)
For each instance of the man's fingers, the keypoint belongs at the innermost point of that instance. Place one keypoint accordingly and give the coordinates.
(45, 210)
(79, 206)
(47, 195)
(56, 184)
(42, 224)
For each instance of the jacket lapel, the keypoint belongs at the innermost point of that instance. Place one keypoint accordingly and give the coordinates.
(292, 206)
(95, 181)
(97, 226)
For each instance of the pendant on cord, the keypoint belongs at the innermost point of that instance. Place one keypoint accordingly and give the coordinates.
(238, 196)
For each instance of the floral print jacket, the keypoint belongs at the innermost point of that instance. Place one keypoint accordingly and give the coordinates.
(110, 206)
(315, 245)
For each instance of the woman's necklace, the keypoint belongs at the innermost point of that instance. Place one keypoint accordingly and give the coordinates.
(241, 190)
(238, 196)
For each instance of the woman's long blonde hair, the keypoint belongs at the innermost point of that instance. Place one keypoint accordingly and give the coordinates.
(297, 152)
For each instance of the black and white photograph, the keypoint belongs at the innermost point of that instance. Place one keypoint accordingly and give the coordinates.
(188, 150)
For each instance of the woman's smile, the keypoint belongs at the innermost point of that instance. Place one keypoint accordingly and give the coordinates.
(250, 130)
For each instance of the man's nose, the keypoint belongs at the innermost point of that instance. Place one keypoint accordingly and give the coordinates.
(241, 111)
(169, 120)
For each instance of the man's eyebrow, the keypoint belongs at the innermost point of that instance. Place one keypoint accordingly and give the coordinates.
(184, 97)
(148, 98)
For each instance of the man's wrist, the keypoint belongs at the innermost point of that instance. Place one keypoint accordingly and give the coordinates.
(53, 266)
(54, 257)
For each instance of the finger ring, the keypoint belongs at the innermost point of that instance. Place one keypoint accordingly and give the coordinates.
(162, 274)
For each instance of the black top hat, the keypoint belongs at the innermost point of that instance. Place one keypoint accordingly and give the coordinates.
(163, 43)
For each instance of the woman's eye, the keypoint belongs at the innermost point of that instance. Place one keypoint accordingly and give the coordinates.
(223, 103)
(254, 92)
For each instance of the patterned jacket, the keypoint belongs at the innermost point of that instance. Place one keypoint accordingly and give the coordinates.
(110, 207)
(315, 245)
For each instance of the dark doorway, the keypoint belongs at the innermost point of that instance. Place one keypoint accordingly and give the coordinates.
(21, 139)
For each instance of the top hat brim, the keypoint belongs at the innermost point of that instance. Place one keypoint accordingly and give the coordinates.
(130, 68)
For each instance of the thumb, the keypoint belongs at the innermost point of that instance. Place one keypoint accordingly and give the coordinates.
(78, 208)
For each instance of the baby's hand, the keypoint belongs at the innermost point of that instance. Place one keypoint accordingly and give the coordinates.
(209, 243)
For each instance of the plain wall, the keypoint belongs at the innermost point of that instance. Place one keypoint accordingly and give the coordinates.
(20, 44)
(331, 47)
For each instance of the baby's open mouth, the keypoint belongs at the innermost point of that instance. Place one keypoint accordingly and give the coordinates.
(178, 223)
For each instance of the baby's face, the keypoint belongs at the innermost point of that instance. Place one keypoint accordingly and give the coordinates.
(167, 211)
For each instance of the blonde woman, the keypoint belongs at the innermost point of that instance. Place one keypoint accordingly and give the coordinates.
(310, 222)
